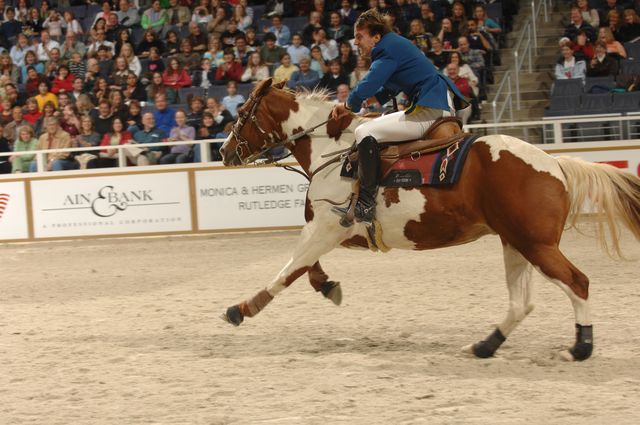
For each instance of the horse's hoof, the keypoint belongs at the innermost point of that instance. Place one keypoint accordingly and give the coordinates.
(567, 356)
(468, 349)
(333, 291)
(233, 316)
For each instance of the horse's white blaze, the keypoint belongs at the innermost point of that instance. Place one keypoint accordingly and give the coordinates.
(535, 157)
(394, 217)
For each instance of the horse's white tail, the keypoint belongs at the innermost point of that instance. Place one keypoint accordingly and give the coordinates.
(614, 194)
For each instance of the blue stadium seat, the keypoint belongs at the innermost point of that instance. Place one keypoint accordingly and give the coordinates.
(602, 82)
(626, 102)
(562, 106)
(494, 11)
(183, 106)
(595, 103)
(245, 89)
(185, 92)
(217, 91)
(136, 35)
(297, 24)
(79, 11)
(630, 67)
(570, 87)
(633, 51)
(148, 108)
(258, 11)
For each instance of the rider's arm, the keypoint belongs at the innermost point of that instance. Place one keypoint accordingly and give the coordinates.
(379, 73)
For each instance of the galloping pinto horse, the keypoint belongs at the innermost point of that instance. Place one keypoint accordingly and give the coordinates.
(507, 187)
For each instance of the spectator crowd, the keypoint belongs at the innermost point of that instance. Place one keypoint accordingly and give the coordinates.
(76, 74)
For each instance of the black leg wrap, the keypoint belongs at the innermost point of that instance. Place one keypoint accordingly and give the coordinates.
(234, 316)
(327, 286)
(487, 348)
(584, 343)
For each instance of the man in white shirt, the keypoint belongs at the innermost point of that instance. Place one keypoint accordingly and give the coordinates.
(100, 41)
(44, 47)
(297, 50)
(127, 15)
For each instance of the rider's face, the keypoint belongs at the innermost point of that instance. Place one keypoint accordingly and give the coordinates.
(365, 41)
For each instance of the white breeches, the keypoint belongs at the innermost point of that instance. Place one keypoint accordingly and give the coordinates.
(398, 126)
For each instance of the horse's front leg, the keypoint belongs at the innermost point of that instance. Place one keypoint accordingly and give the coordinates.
(319, 280)
(317, 239)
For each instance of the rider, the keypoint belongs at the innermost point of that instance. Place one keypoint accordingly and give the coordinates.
(397, 66)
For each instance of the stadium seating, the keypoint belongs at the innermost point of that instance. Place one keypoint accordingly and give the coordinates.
(185, 92)
(562, 106)
(595, 103)
(633, 51)
(626, 102)
(600, 83)
(570, 87)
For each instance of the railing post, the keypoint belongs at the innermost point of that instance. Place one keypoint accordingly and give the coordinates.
(529, 57)
(534, 23)
(510, 99)
(544, 7)
(517, 78)
(40, 162)
(205, 151)
(494, 106)
(122, 158)
(557, 132)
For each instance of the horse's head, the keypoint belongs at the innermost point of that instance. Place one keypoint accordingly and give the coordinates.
(259, 126)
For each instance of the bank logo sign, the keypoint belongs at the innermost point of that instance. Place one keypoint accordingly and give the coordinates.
(139, 203)
(4, 202)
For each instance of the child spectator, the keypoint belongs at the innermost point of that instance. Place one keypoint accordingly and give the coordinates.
(179, 154)
(256, 70)
(232, 100)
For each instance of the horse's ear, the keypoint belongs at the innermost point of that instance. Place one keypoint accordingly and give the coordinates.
(280, 85)
(263, 86)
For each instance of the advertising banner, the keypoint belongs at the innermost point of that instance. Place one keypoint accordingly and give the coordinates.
(250, 198)
(13, 211)
(108, 205)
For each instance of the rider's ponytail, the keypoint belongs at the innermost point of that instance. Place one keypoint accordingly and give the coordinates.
(374, 21)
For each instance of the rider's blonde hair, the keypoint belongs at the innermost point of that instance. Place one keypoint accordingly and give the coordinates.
(374, 22)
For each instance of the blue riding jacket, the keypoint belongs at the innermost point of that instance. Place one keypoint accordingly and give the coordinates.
(399, 66)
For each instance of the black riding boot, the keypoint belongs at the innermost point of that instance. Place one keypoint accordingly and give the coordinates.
(368, 170)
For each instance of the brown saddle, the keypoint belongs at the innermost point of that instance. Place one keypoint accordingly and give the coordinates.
(443, 133)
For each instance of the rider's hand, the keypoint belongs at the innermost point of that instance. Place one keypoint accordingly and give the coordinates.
(339, 111)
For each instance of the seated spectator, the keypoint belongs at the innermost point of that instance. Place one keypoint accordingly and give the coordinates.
(88, 137)
(54, 25)
(33, 25)
(172, 44)
(11, 27)
(101, 90)
(33, 114)
(44, 96)
(285, 70)
(48, 112)
(100, 41)
(134, 116)
(241, 17)
(342, 93)
(228, 37)
(463, 85)
(118, 107)
(614, 22)
(5, 163)
(329, 48)
(133, 63)
(148, 134)
(25, 142)
(205, 77)
(128, 16)
(607, 7)
(602, 64)
(296, 50)
(54, 138)
(5, 112)
(418, 36)
(156, 86)
(578, 24)
(196, 110)
(197, 38)
(117, 136)
(155, 64)
(215, 53)
(458, 18)
(479, 40)
(8, 68)
(428, 19)
(30, 61)
(229, 70)
(164, 116)
(582, 48)
(630, 28)
(252, 39)
(45, 46)
(318, 63)
(305, 77)
(102, 117)
(362, 68)
(178, 14)
(91, 75)
(590, 16)
(335, 77)
(154, 18)
(568, 67)
(465, 71)
(180, 154)
(17, 120)
(77, 66)
(20, 49)
(232, 100)
(187, 57)
(311, 27)
(471, 56)
(217, 24)
(149, 40)
(271, 52)
(337, 30)
(347, 13)
(614, 48)
(437, 55)
(447, 35)
(104, 13)
(241, 51)
(63, 82)
(175, 76)
(134, 90)
(220, 114)
(346, 57)
(120, 73)
(70, 121)
(256, 70)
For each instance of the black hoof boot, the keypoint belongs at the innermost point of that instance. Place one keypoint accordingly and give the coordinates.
(487, 348)
(233, 316)
(332, 290)
(584, 343)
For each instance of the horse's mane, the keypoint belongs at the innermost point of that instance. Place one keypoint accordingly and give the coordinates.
(319, 94)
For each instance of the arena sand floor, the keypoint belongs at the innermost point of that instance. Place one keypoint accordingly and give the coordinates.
(128, 332)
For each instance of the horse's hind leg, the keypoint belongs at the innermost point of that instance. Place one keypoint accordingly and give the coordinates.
(559, 270)
(319, 280)
(518, 273)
